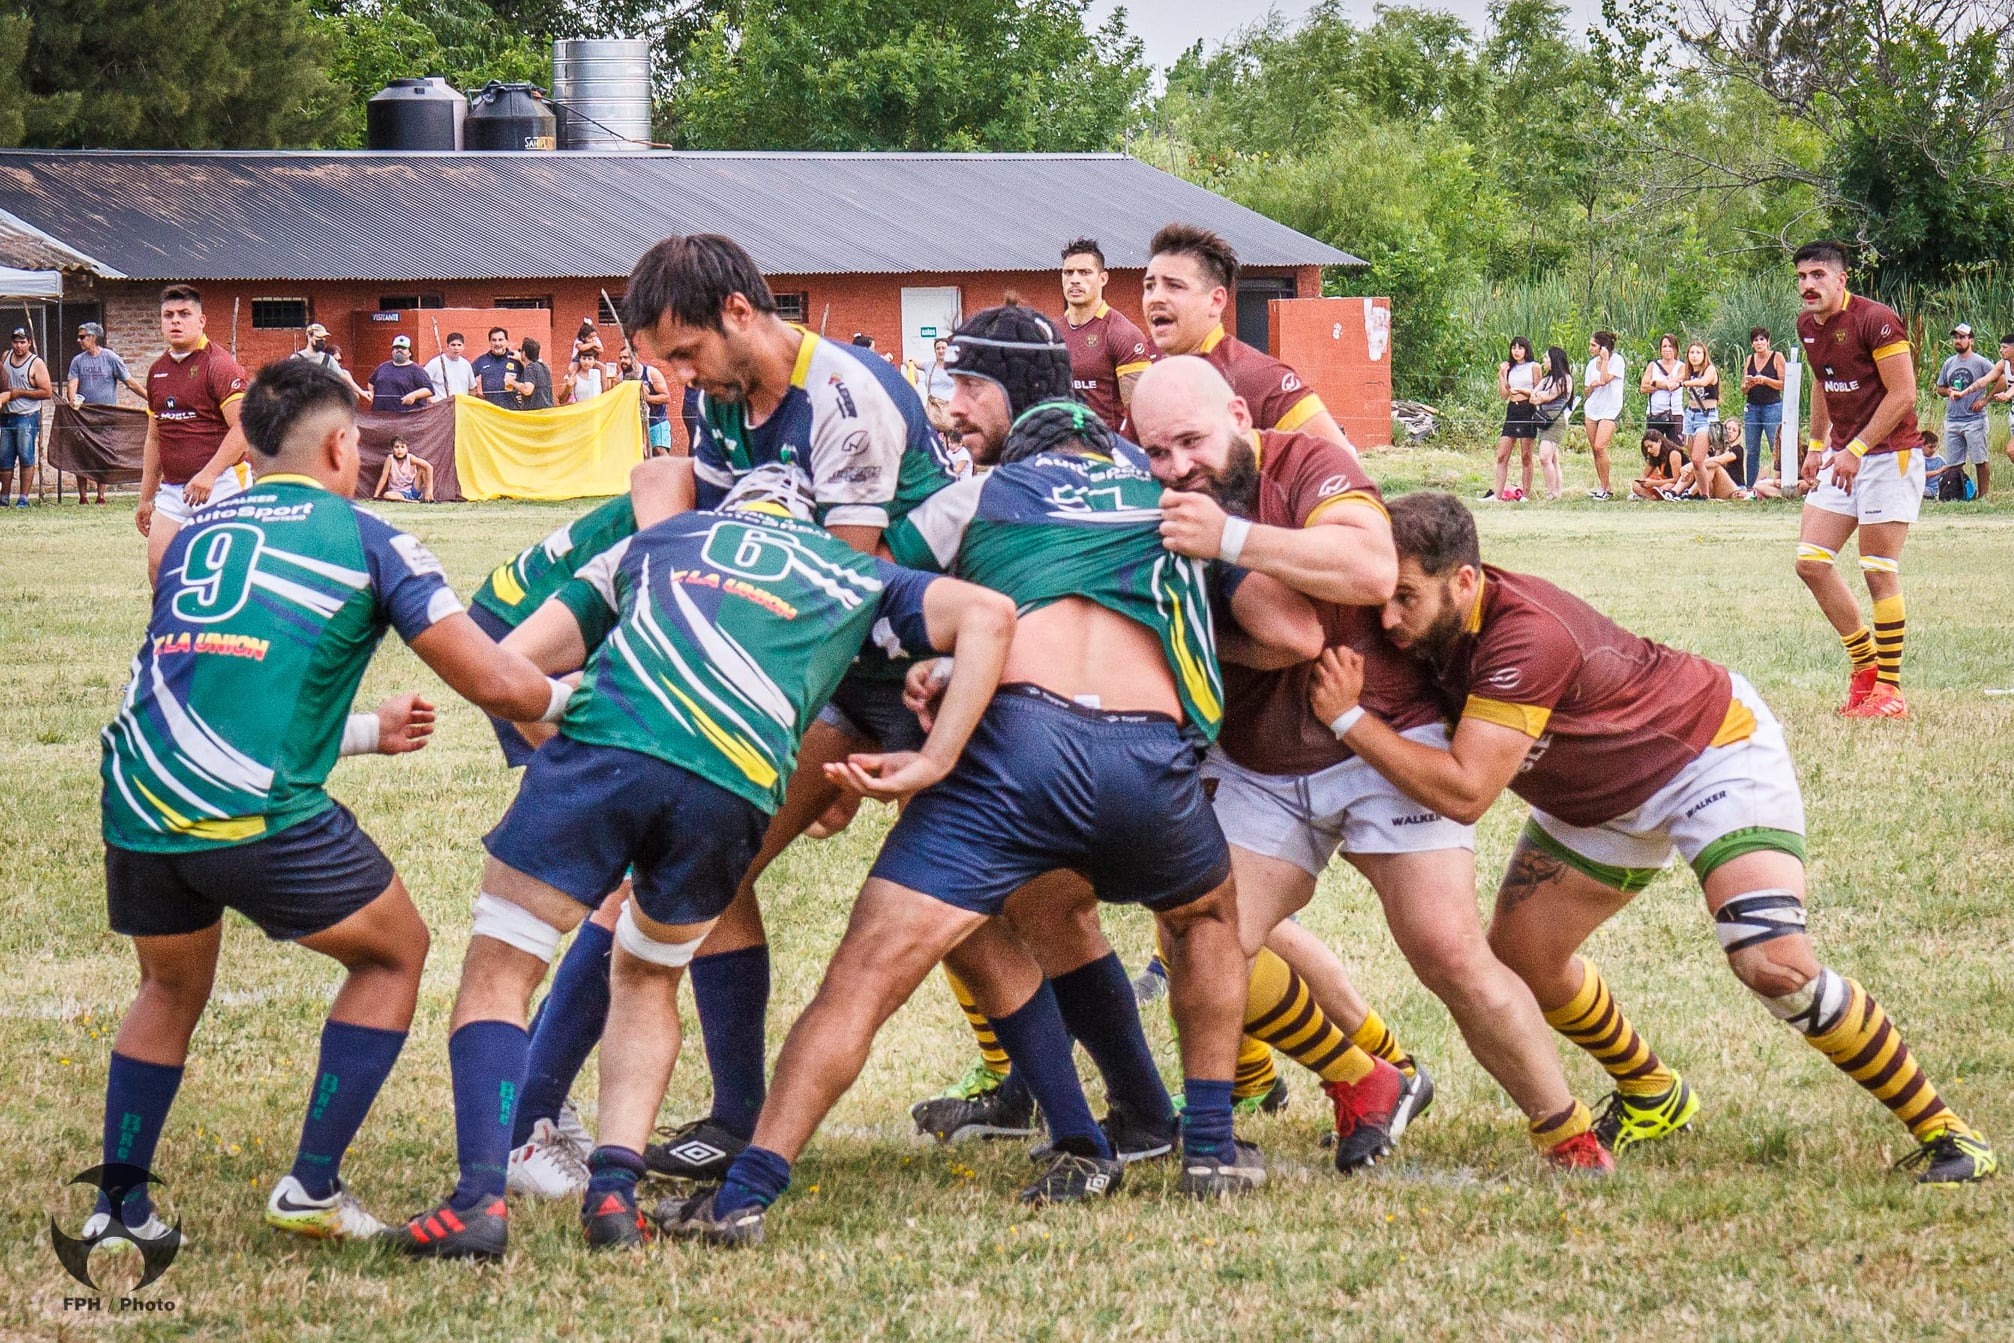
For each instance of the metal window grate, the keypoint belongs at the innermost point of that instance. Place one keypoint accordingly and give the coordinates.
(279, 314)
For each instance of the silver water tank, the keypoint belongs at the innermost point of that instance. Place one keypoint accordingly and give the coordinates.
(601, 92)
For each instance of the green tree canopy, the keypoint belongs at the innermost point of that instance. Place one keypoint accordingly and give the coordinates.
(166, 74)
(925, 75)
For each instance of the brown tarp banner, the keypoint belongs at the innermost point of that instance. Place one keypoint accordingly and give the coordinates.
(98, 443)
(429, 433)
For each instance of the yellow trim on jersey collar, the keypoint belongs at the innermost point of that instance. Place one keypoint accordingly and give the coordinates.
(1103, 309)
(802, 368)
(1212, 341)
(1473, 622)
(1258, 448)
(290, 478)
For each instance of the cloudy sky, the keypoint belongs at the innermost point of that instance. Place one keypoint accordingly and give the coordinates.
(1169, 26)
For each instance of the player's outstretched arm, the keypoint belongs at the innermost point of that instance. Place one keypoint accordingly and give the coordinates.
(1459, 783)
(499, 681)
(551, 637)
(400, 724)
(977, 625)
(1274, 626)
(1344, 555)
(660, 488)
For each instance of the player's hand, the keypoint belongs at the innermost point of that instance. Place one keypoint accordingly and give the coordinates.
(143, 517)
(891, 776)
(404, 724)
(197, 491)
(1192, 524)
(1339, 681)
(1844, 466)
(923, 687)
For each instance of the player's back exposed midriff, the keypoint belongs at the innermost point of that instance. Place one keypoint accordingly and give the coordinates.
(1076, 648)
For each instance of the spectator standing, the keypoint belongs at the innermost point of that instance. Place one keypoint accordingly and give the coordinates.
(497, 371)
(689, 414)
(1603, 387)
(1700, 382)
(535, 373)
(323, 353)
(587, 337)
(96, 374)
(1762, 404)
(27, 386)
(1660, 383)
(656, 393)
(1552, 399)
(1517, 376)
(451, 374)
(405, 476)
(399, 385)
(1965, 381)
(583, 382)
(937, 388)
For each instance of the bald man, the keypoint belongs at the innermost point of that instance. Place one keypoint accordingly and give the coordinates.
(1289, 794)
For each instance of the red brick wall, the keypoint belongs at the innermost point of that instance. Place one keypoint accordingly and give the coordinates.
(1329, 342)
(868, 303)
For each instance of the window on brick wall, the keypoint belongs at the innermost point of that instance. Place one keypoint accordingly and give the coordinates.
(408, 302)
(793, 307)
(608, 310)
(523, 301)
(279, 314)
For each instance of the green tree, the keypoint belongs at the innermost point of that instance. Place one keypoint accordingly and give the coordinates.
(998, 75)
(168, 74)
(464, 41)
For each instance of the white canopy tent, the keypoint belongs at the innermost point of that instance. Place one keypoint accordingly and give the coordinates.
(46, 285)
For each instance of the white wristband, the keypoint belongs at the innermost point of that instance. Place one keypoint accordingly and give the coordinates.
(360, 734)
(1236, 532)
(561, 693)
(1343, 722)
(940, 672)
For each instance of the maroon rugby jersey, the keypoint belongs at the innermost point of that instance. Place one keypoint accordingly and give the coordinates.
(1105, 349)
(1843, 349)
(1269, 726)
(187, 397)
(1613, 716)
(1274, 392)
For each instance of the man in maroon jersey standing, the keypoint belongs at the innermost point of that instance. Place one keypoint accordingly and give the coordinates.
(1107, 352)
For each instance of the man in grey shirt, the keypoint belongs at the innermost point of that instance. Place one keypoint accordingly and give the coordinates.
(1964, 382)
(96, 373)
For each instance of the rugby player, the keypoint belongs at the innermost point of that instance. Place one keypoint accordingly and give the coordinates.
(1289, 795)
(1863, 450)
(1085, 760)
(272, 600)
(709, 641)
(771, 392)
(1626, 750)
(1191, 276)
(195, 452)
(550, 1146)
(1107, 352)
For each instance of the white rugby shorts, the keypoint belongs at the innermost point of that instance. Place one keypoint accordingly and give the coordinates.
(1304, 819)
(1889, 488)
(169, 503)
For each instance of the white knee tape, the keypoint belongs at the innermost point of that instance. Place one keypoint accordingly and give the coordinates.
(1879, 564)
(632, 939)
(514, 926)
(1807, 551)
(1815, 1008)
(1759, 916)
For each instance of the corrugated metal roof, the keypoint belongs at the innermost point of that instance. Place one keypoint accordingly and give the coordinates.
(393, 216)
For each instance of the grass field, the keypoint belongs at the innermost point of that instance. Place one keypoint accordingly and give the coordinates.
(1774, 1219)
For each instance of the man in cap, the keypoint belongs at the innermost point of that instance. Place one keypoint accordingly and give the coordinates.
(321, 354)
(399, 385)
(1964, 382)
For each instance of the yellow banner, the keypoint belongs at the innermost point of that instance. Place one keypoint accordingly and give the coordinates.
(568, 452)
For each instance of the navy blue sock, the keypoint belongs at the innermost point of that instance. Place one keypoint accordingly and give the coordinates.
(1096, 1002)
(613, 1170)
(137, 1098)
(731, 991)
(564, 1032)
(487, 1059)
(757, 1178)
(1039, 1046)
(1206, 1118)
(354, 1064)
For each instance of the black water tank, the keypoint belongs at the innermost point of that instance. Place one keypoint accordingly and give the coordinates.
(509, 116)
(415, 114)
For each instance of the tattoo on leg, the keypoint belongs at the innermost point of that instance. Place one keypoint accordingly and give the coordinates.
(1530, 868)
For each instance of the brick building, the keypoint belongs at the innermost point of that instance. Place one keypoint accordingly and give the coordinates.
(374, 244)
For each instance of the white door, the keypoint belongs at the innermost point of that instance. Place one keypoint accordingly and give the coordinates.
(928, 315)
